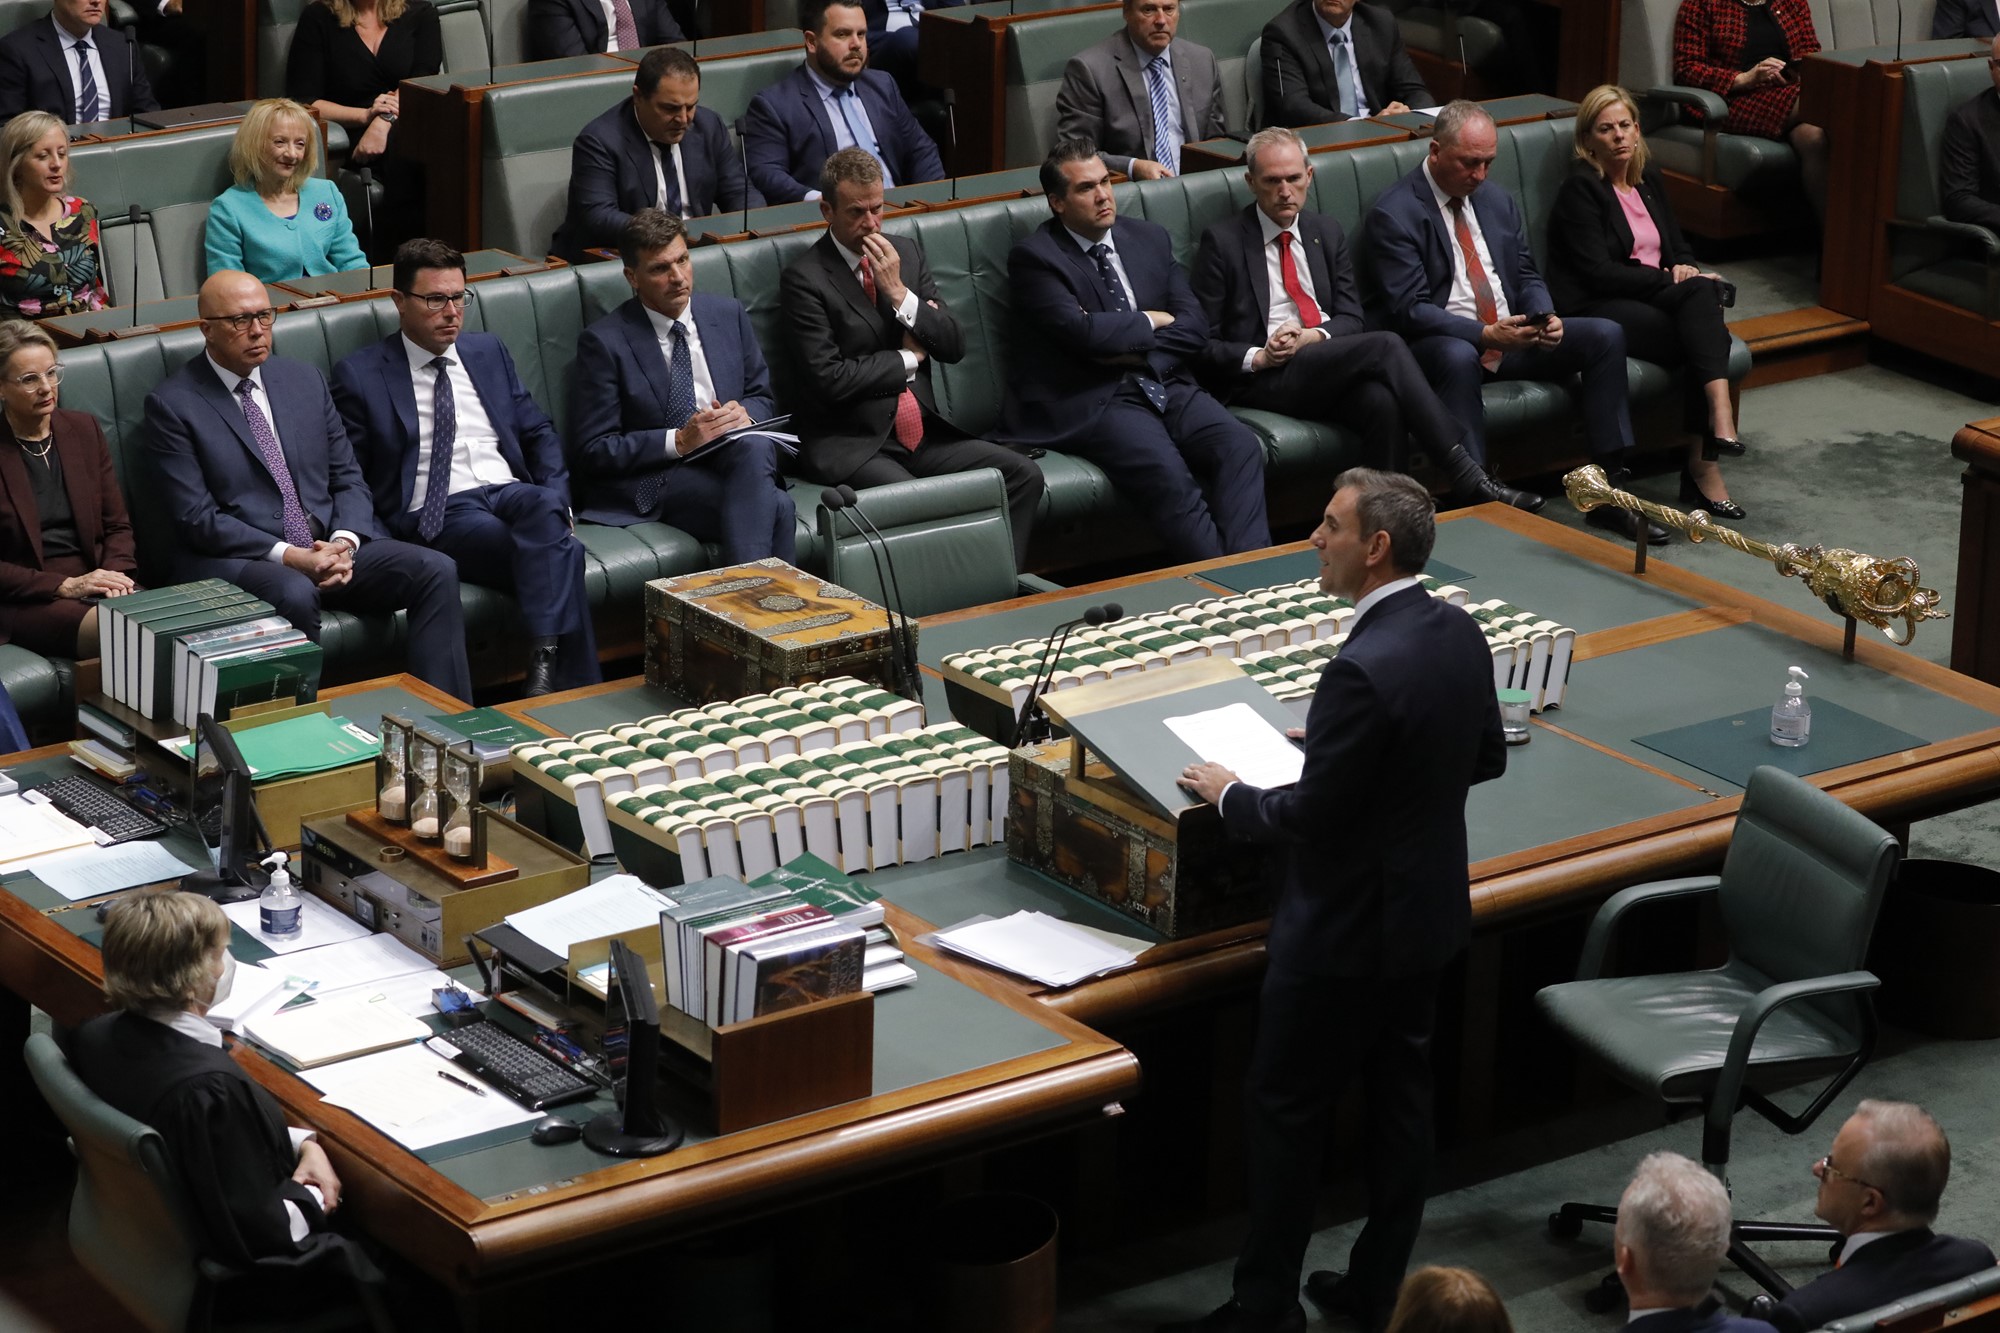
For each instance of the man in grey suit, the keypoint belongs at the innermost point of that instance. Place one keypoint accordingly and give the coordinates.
(1141, 93)
(1327, 60)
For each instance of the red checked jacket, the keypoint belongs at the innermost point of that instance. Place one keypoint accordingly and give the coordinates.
(1708, 49)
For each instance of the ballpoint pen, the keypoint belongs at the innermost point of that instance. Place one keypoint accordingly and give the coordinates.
(473, 1088)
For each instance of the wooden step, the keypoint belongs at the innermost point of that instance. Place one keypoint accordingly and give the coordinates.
(1795, 344)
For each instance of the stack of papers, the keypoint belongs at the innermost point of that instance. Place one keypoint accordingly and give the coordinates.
(399, 1092)
(87, 872)
(333, 1029)
(29, 829)
(318, 924)
(1238, 738)
(611, 906)
(1040, 947)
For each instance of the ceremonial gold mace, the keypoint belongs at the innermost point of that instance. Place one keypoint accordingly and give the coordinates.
(1857, 586)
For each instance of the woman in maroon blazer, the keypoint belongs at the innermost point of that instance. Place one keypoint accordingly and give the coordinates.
(65, 540)
(1747, 52)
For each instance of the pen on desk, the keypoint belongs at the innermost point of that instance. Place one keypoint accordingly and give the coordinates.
(473, 1088)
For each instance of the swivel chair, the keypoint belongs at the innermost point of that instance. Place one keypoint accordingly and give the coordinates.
(1798, 895)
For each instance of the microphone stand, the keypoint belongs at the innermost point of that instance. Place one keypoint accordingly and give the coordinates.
(1051, 658)
(836, 503)
(909, 641)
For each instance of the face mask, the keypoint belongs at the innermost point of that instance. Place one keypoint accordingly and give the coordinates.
(225, 981)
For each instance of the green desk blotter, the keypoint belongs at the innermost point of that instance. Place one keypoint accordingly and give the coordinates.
(1593, 791)
(603, 711)
(938, 642)
(1550, 582)
(1276, 569)
(1730, 747)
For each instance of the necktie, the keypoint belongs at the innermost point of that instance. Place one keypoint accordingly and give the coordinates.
(1482, 286)
(86, 87)
(624, 30)
(1288, 270)
(1155, 392)
(444, 442)
(909, 412)
(1166, 144)
(670, 200)
(857, 123)
(1343, 75)
(680, 407)
(298, 532)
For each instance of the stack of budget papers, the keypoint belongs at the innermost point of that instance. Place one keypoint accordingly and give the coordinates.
(1039, 947)
(399, 1092)
(612, 906)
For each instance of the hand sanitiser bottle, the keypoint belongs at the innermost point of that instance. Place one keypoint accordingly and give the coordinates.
(278, 905)
(1791, 716)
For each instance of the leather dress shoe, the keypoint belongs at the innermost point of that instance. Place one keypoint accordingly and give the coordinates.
(1717, 446)
(1337, 1298)
(1626, 524)
(1233, 1318)
(1472, 484)
(541, 667)
(1692, 494)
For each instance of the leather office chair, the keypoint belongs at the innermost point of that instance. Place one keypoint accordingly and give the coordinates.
(133, 1232)
(950, 538)
(1798, 894)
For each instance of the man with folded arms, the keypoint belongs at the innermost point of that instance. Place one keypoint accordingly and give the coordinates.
(657, 387)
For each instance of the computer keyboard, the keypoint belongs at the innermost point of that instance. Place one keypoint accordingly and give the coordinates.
(96, 806)
(511, 1065)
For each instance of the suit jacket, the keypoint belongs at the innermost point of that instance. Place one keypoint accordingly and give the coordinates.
(1403, 723)
(1696, 1320)
(848, 354)
(224, 1135)
(788, 136)
(1104, 98)
(243, 233)
(1879, 1272)
(576, 27)
(1708, 50)
(611, 177)
(1965, 18)
(379, 405)
(103, 530)
(212, 476)
(1299, 84)
(1071, 349)
(1969, 176)
(35, 73)
(1409, 260)
(1590, 242)
(1234, 287)
(878, 16)
(618, 393)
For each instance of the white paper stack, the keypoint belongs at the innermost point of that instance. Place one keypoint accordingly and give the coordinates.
(611, 906)
(329, 1030)
(399, 1092)
(1038, 947)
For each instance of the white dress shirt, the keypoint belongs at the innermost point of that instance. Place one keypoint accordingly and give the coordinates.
(1463, 302)
(205, 1032)
(75, 58)
(1283, 307)
(1117, 265)
(475, 457)
(662, 154)
(1856, 1241)
(1346, 30)
(903, 14)
(704, 383)
(1178, 129)
(843, 137)
(230, 379)
(611, 25)
(906, 313)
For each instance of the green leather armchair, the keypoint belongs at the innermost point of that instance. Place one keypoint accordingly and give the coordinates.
(1798, 895)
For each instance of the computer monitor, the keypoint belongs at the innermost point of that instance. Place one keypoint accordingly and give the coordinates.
(632, 1051)
(221, 796)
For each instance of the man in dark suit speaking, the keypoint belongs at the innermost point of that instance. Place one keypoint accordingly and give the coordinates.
(254, 468)
(658, 149)
(666, 376)
(1313, 52)
(1374, 904)
(73, 65)
(1285, 331)
(1969, 174)
(865, 323)
(460, 458)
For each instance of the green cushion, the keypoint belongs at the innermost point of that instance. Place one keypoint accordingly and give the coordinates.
(1741, 160)
(1959, 282)
(949, 536)
(37, 690)
(1931, 92)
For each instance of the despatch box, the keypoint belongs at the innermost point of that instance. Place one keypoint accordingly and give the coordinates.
(1181, 876)
(750, 629)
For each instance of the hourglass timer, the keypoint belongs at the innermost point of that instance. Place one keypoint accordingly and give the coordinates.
(392, 796)
(422, 779)
(463, 817)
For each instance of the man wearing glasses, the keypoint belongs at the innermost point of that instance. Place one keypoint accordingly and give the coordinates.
(462, 459)
(1880, 1188)
(255, 468)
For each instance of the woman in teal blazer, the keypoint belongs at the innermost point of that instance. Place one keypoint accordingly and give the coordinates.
(280, 220)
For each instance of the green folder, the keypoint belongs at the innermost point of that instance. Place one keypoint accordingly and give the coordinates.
(312, 743)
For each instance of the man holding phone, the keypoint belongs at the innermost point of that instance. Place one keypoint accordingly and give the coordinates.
(1450, 270)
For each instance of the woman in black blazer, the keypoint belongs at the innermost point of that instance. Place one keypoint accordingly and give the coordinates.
(1615, 252)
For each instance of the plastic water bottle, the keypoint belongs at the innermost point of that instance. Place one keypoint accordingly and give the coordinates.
(278, 904)
(1791, 716)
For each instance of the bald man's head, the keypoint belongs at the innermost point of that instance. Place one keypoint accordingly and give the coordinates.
(236, 319)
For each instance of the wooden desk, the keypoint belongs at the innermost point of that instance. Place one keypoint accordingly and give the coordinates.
(360, 284)
(115, 322)
(969, 56)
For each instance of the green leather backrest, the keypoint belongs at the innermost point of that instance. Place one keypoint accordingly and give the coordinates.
(173, 177)
(526, 130)
(1931, 92)
(1803, 880)
(462, 23)
(19, 13)
(276, 21)
(729, 84)
(510, 31)
(948, 536)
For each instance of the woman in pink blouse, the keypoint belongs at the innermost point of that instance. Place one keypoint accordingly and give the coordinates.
(1615, 252)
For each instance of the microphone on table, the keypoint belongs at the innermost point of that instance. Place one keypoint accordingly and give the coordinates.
(888, 558)
(908, 683)
(132, 218)
(743, 157)
(1051, 656)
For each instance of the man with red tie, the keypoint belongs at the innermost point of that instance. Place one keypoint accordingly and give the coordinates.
(1286, 334)
(865, 323)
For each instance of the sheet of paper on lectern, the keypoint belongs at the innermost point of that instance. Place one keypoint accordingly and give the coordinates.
(1237, 737)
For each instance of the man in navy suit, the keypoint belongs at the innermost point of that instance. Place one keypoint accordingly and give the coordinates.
(833, 101)
(1880, 1187)
(1142, 92)
(1451, 271)
(1965, 18)
(1671, 1238)
(559, 28)
(1106, 335)
(461, 459)
(1375, 903)
(1303, 84)
(661, 378)
(1285, 332)
(661, 149)
(74, 66)
(254, 468)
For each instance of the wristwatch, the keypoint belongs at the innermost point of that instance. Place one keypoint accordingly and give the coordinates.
(386, 117)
